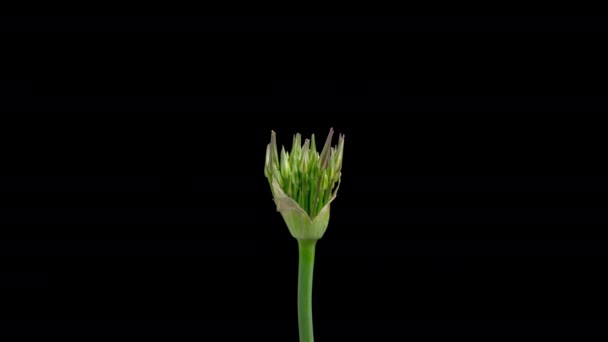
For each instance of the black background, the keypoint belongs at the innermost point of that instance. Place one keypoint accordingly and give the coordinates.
(133, 201)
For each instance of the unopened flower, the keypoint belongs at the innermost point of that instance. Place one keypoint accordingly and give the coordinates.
(304, 183)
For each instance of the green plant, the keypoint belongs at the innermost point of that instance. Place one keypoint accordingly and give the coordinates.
(303, 184)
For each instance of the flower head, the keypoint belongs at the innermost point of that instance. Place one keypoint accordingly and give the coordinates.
(304, 183)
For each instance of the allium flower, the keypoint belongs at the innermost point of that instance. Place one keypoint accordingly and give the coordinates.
(304, 183)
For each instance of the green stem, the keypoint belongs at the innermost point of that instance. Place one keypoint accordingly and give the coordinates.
(305, 270)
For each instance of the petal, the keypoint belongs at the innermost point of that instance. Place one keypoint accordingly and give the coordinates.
(267, 162)
(324, 159)
(274, 154)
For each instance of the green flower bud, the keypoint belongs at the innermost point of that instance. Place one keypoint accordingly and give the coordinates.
(304, 183)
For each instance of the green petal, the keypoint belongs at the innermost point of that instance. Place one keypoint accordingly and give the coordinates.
(324, 159)
(267, 162)
(274, 157)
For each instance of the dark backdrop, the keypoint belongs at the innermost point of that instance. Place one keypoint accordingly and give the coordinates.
(473, 199)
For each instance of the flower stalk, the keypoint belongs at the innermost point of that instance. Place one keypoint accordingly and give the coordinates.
(305, 272)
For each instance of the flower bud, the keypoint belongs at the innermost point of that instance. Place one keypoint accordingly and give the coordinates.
(304, 183)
